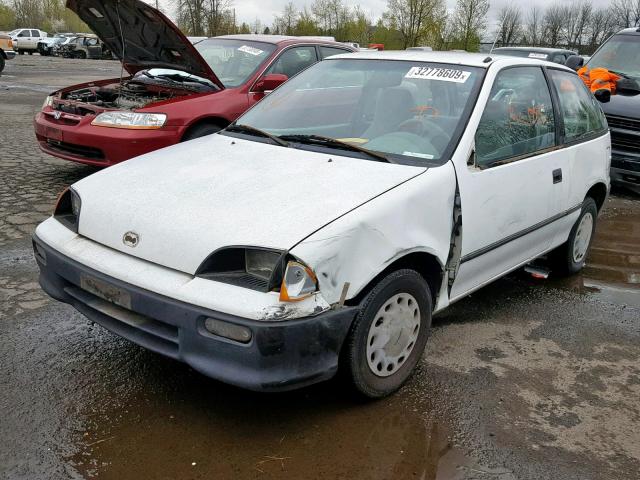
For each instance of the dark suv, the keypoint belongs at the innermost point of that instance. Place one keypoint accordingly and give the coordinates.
(621, 54)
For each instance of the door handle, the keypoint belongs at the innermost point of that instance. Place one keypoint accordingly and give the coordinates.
(557, 176)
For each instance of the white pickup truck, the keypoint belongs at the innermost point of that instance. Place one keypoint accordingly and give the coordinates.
(26, 39)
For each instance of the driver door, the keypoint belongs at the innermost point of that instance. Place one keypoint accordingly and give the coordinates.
(514, 193)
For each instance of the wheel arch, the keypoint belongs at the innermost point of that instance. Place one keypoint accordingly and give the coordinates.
(599, 194)
(212, 120)
(426, 264)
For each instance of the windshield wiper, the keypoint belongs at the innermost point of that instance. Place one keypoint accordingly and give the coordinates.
(248, 129)
(334, 143)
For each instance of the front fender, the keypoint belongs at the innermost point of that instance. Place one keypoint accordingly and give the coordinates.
(416, 216)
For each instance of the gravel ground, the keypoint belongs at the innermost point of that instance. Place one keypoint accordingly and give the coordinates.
(525, 379)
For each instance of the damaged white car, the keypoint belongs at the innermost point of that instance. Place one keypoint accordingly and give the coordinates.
(326, 226)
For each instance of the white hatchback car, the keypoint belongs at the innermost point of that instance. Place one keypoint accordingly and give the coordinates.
(331, 221)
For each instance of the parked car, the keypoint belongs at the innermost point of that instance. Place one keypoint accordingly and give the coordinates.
(86, 46)
(172, 93)
(621, 54)
(555, 55)
(46, 45)
(6, 50)
(26, 39)
(420, 49)
(330, 221)
(57, 48)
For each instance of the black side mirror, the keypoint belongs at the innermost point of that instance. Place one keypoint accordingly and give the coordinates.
(575, 62)
(603, 95)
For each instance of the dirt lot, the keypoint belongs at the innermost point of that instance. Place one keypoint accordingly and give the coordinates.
(524, 380)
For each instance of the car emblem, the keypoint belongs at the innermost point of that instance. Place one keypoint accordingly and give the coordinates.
(57, 115)
(131, 239)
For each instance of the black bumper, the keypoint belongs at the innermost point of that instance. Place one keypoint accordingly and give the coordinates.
(625, 170)
(280, 355)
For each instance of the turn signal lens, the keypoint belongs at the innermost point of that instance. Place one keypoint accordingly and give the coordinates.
(299, 283)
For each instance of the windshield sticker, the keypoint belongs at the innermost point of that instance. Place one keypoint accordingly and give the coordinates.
(442, 74)
(541, 56)
(418, 155)
(250, 50)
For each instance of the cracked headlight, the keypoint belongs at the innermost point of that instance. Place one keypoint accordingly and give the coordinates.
(130, 120)
(298, 282)
(48, 102)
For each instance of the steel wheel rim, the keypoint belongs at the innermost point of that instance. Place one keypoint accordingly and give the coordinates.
(393, 334)
(582, 238)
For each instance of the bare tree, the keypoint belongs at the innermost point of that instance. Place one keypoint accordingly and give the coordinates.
(510, 24)
(602, 25)
(534, 26)
(469, 22)
(627, 12)
(553, 25)
(577, 16)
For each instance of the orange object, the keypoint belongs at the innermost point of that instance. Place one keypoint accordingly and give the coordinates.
(599, 79)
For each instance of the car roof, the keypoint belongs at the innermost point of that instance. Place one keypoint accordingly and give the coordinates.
(481, 60)
(534, 49)
(629, 31)
(280, 39)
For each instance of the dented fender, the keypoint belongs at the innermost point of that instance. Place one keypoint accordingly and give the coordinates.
(416, 216)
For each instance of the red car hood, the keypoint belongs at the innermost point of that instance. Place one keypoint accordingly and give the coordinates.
(141, 36)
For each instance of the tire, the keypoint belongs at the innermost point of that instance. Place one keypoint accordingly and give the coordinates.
(81, 55)
(201, 130)
(571, 257)
(376, 372)
(20, 52)
(2, 63)
(30, 52)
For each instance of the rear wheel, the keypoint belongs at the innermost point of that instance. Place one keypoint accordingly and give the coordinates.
(201, 131)
(389, 334)
(571, 257)
(30, 52)
(2, 63)
(20, 52)
(81, 54)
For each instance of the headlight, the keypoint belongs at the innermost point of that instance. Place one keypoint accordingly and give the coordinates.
(131, 120)
(48, 102)
(261, 263)
(298, 283)
(68, 209)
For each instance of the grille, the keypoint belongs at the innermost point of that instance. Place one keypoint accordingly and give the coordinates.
(77, 150)
(623, 123)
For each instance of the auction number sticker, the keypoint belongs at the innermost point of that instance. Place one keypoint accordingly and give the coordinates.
(541, 56)
(250, 50)
(442, 74)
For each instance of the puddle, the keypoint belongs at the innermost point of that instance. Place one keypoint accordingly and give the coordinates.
(221, 432)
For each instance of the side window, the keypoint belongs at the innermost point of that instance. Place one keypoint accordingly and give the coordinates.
(35, 33)
(294, 60)
(518, 119)
(560, 58)
(328, 51)
(581, 112)
(24, 33)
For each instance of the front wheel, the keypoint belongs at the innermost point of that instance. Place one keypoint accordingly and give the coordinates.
(2, 63)
(571, 257)
(389, 334)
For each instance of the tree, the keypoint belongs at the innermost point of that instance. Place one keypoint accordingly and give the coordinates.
(534, 28)
(469, 23)
(285, 24)
(553, 25)
(412, 18)
(510, 24)
(627, 12)
(602, 25)
(576, 19)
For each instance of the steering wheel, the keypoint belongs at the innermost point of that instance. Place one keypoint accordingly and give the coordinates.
(424, 127)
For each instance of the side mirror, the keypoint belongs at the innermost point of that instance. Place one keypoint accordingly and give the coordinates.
(575, 62)
(603, 95)
(270, 82)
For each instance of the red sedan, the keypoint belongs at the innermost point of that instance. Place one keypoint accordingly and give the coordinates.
(174, 91)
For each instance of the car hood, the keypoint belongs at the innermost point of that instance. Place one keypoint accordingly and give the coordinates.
(186, 201)
(623, 105)
(150, 38)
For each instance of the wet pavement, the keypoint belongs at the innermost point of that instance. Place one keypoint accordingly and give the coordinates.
(525, 379)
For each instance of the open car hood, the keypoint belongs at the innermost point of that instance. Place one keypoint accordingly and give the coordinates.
(151, 40)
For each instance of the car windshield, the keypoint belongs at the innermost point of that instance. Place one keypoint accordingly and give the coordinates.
(620, 54)
(411, 112)
(234, 61)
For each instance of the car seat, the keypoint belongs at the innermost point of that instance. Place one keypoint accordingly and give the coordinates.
(393, 106)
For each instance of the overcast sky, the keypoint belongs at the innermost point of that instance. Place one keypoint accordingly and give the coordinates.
(246, 10)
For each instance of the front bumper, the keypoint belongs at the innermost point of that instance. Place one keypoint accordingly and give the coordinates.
(72, 137)
(280, 356)
(625, 170)
(10, 54)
